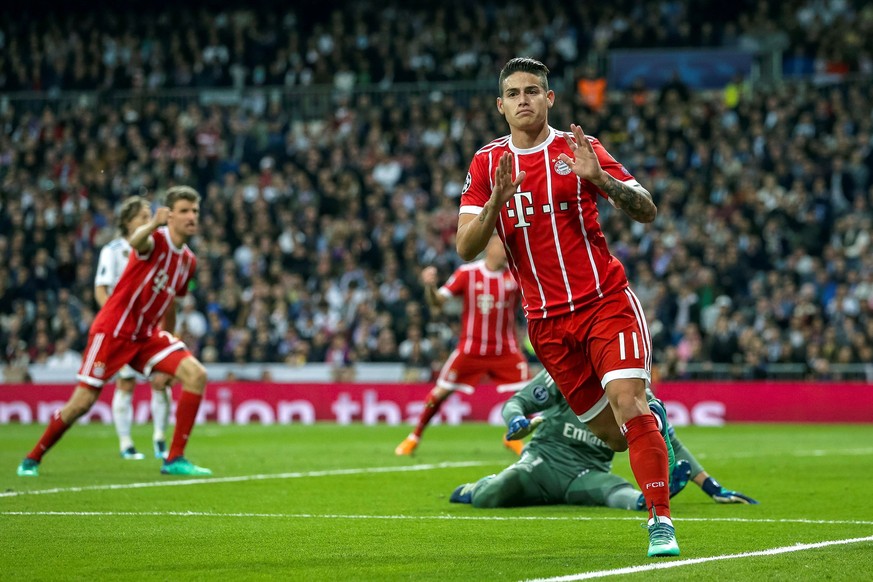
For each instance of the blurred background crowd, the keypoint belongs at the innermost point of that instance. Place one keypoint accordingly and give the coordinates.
(315, 227)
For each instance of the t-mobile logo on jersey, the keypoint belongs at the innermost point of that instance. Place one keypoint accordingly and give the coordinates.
(521, 209)
(485, 303)
(522, 206)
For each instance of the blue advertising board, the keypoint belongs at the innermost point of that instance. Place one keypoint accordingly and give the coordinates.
(698, 68)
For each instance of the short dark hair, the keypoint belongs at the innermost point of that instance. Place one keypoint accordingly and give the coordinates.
(181, 193)
(128, 211)
(524, 65)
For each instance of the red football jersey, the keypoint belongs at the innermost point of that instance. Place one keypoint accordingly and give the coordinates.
(490, 302)
(147, 288)
(555, 246)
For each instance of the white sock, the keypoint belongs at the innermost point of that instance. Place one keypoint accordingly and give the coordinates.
(666, 520)
(160, 412)
(122, 414)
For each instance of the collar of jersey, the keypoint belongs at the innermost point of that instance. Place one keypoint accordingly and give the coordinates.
(536, 148)
(488, 272)
(170, 243)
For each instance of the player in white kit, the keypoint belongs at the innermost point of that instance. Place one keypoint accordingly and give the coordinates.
(135, 212)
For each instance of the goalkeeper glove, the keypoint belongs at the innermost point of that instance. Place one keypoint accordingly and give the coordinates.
(519, 427)
(721, 495)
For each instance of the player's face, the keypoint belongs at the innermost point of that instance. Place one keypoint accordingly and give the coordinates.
(184, 218)
(524, 103)
(142, 217)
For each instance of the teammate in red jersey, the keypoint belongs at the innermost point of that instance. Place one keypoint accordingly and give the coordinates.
(487, 345)
(129, 329)
(134, 212)
(539, 188)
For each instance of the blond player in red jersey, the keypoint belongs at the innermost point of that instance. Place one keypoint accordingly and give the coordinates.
(539, 188)
(129, 329)
(487, 345)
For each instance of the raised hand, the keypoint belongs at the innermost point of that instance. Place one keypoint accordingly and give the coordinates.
(584, 163)
(429, 275)
(161, 216)
(504, 185)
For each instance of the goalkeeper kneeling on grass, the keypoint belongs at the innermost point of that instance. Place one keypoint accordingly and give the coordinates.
(564, 463)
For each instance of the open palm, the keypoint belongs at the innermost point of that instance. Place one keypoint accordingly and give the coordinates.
(584, 162)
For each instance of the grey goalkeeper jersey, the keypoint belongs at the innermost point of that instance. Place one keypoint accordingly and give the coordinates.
(562, 439)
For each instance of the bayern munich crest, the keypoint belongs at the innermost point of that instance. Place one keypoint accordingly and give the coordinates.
(562, 168)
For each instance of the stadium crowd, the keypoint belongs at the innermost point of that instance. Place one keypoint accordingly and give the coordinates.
(361, 42)
(314, 232)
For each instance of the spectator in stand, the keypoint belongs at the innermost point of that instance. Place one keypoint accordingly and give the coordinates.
(591, 89)
(64, 356)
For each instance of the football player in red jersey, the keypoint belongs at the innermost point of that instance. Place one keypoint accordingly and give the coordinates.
(134, 212)
(130, 329)
(487, 345)
(539, 188)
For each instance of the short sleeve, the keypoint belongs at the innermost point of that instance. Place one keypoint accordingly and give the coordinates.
(610, 164)
(477, 186)
(159, 242)
(456, 284)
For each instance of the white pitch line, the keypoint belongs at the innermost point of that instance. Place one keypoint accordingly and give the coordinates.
(693, 561)
(240, 478)
(406, 517)
(802, 454)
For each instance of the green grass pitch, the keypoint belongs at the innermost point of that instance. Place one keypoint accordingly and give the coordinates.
(329, 502)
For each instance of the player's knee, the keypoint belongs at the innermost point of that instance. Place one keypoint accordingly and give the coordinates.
(605, 428)
(193, 375)
(627, 398)
(198, 377)
(502, 490)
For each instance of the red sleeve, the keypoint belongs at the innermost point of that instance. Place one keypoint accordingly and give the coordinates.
(457, 282)
(477, 187)
(159, 243)
(608, 163)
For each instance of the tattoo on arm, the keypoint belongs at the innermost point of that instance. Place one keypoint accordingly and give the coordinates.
(485, 211)
(635, 202)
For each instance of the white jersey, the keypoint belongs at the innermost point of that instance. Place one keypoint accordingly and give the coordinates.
(111, 264)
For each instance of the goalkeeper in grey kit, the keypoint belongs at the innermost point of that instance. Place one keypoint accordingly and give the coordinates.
(564, 463)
